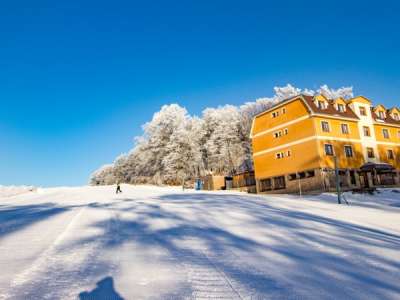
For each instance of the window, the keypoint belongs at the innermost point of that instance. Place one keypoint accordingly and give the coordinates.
(390, 154)
(328, 149)
(345, 128)
(279, 182)
(279, 155)
(363, 111)
(367, 132)
(340, 107)
(286, 131)
(321, 104)
(289, 153)
(265, 185)
(385, 133)
(283, 110)
(292, 177)
(277, 134)
(275, 114)
(348, 151)
(325, 126)
(396, 116)
(381, 115)
(370, 152)
(310, 173)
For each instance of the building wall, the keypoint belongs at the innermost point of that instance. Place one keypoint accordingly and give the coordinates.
(303, 156)
(297, 131)
(343, 162)
(383, 154)
(367, 142)
(294, 110)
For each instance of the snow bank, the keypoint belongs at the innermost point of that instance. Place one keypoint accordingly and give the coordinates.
(7, 191)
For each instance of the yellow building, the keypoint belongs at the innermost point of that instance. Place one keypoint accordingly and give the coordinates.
(295, 142)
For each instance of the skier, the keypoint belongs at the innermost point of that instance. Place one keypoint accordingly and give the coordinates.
(118, 188)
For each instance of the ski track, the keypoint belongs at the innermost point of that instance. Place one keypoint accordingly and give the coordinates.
(158, 247)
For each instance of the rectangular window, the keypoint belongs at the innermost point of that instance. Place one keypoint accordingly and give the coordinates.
(283, 110)
(370, 152)
(345, 128)
(279, 155)
(341, 107)
(329, 149)
(286, 131)
(279, 183)
(396, 116)
(390, 154)
(348, 151)
(310, 173)
(289, 153)
(325, 126)
(366, 130)
(381, 115)
(363, 111)
(265, 185)
(321, 104)
(275, 114)
(385, 133)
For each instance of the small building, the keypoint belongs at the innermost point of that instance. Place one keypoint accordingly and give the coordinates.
(213, 182)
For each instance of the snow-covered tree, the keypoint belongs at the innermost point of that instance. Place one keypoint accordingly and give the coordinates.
(176, 146)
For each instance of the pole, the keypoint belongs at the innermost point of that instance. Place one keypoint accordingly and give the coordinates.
(337, 180)
(299, 186)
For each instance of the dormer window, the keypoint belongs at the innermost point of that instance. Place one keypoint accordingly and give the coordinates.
(363, 111)
(381, 114)
(321, 104)
(341, 107)
(396, 116)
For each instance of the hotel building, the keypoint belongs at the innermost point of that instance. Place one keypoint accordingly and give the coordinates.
(295, 142)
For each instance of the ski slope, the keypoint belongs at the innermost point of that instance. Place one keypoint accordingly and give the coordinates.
(165, 243)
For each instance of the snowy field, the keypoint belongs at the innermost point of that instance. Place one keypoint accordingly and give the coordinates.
(163, 243)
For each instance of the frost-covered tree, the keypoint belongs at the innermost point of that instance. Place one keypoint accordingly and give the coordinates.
(176, 146)
(103, 176)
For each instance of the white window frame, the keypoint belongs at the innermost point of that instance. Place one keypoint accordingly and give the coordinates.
(333, 149)
(352, 151)
(383, 133)
(322, 126)
(347, 126)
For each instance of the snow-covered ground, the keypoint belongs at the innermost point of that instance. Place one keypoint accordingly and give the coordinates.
(163, 243)
(7, 191)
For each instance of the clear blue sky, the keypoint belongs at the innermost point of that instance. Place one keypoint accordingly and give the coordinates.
(78, 78)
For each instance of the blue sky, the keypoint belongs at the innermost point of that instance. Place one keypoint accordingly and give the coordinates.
(78, 78)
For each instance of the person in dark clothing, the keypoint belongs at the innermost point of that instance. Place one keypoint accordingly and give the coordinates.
(118, 189)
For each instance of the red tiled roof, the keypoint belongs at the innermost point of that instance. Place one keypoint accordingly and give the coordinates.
(388, 118)
(330, 110)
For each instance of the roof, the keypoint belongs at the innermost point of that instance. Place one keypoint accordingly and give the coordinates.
(388, 119)
(330, 110)
(369, 166)
(309, 101)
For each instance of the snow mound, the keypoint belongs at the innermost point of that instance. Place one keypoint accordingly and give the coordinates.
(7, 191)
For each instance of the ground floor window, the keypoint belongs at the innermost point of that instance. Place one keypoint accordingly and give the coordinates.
(265, 185)
(279, 182)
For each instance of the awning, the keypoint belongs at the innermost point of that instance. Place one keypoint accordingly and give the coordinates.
(382, 167)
